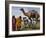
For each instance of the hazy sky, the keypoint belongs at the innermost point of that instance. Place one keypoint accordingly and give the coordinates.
(17, 12)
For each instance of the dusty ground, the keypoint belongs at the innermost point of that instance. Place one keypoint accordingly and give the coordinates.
(32, 27)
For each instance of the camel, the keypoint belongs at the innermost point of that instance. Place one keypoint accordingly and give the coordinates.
(30, 15)
(18, 23)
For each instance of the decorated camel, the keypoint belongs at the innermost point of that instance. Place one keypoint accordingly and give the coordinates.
(30, 15)
(18, 23)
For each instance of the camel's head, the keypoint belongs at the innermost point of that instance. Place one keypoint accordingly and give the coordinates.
(22, 10)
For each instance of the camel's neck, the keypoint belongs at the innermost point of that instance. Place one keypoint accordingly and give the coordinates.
(23, 11)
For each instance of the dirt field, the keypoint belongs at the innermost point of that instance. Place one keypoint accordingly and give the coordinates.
(32, 27)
